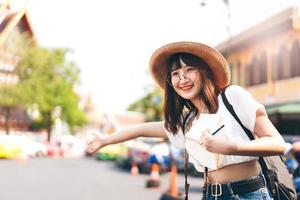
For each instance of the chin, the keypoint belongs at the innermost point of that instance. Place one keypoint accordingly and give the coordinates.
(189, 96)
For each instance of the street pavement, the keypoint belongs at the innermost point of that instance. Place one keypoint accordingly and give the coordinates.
(80, 179)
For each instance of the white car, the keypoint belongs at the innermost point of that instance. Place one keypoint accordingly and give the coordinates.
(72, 147)
(29, 147)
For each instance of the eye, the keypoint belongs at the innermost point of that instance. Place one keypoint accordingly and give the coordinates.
(174, 73)
(191, 68)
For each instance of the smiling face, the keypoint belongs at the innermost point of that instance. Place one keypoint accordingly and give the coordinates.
(186, 81)
(189, 85)
(186, 75)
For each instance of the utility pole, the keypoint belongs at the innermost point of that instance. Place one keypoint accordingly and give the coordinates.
(203, 3)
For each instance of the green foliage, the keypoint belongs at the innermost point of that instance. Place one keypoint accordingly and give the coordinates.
(12, 94)
(48, 80)
(150, 105)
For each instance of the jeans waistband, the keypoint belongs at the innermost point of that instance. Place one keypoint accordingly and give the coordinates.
(237, 187)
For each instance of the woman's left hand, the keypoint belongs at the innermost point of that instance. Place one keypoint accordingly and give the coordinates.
(217, 143)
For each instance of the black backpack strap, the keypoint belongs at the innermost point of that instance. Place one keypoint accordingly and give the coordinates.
(247, 131)
(186, 184)
(205, 186)
(186, 160)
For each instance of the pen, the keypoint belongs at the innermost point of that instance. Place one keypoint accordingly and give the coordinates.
(218, 130)
(211, 134)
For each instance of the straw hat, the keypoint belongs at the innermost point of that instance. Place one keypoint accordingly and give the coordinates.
(217, 63)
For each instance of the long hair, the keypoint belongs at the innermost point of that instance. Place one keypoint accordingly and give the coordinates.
(175, 107)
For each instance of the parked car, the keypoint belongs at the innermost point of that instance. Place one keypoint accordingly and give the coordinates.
(8, 149)
(54, 150)
(178, 159)
(29, 147)
(110, 152)
(160, 153)
(123, 159)
(72, 147)
(147, 151)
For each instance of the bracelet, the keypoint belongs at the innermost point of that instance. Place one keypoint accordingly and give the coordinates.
(288, 149)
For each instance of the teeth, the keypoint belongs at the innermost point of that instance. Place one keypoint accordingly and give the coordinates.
(186, 88)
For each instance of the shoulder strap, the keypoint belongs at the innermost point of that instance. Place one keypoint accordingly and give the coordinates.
(186, 159)
(247, 131)
(186, 184)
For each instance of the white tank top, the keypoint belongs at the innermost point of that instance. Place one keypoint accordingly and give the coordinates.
(245, 107)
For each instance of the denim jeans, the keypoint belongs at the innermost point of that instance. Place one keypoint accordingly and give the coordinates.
(260, 194)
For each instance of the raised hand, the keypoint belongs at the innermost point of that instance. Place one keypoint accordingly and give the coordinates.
(95, 144)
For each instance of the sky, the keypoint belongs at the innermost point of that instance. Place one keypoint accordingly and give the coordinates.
(112, 40)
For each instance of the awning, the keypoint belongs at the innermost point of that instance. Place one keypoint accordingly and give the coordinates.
(288, 108)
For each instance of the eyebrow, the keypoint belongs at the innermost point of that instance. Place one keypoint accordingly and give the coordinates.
(175, 68)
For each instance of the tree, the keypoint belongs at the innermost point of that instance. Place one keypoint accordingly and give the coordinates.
(10, 97)
(48, 78)
(150, 105)
(10, 90)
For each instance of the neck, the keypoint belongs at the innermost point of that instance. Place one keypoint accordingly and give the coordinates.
(201, 107)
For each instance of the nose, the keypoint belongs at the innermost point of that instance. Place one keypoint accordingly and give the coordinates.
(181, 75)
(182, 79)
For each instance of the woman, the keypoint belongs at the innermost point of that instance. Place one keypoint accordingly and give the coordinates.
(192, 76)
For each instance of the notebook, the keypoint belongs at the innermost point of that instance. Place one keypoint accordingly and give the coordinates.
(198, 154)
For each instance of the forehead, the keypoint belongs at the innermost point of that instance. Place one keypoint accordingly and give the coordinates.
(178, 64)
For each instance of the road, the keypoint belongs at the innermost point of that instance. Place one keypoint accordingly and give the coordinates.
(80, 179)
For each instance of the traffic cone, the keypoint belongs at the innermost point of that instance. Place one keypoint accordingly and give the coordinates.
(21, 160)
(172, 193)
(134, 169)
(154, 181)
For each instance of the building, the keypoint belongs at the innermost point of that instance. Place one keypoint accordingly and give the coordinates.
(265, 59)
(104, 122)
(13, 23)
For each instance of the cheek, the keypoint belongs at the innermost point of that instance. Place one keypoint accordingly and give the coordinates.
(198, 86)
(177, 90)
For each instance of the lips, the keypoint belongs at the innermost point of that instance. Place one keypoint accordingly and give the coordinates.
(186, 87)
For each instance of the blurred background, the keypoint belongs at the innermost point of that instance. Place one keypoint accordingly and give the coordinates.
(72, 68)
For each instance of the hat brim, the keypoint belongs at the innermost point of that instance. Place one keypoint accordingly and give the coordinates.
(215, 60)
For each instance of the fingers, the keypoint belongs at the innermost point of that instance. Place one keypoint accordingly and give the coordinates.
(95, 144)
(91, 149)
(92, 140)
(205, 134)
(205, 137)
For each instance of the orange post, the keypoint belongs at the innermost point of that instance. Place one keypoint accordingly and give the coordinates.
(134, 169)
(154, 176)
(173, 181)
(172, 193)
(20, 160)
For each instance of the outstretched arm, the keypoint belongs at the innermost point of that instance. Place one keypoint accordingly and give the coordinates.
(150, 129)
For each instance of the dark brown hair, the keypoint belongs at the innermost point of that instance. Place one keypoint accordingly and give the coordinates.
(175, 107)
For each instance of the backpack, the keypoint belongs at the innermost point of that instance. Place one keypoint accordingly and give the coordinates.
(279, 180)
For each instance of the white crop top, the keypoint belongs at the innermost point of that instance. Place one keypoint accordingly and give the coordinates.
(245, 107)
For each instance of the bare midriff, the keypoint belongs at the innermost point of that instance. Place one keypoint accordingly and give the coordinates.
(234, 172)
